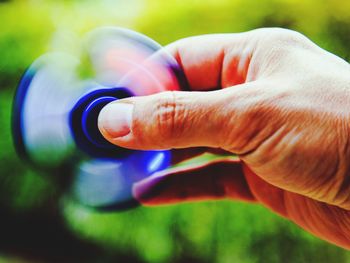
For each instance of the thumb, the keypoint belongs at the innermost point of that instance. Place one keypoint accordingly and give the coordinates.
(174, 119)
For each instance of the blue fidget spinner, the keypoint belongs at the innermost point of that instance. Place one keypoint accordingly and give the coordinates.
(55, 114)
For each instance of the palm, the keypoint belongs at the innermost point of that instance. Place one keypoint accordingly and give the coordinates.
(320, 218)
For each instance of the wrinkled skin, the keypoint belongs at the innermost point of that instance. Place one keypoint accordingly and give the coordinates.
(274, 98)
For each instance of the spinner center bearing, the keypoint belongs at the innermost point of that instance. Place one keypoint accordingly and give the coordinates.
(83, 122)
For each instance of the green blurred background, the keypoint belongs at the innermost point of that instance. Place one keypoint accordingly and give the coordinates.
(39, 224)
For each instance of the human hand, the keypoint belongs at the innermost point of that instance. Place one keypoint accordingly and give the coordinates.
(274, 98)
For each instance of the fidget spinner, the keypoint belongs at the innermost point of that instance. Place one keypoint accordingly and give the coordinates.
(56, 109)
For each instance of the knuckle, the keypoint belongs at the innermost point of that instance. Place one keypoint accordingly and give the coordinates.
(275, 47)
(279, 41)
(177, 47)
(170, 112)
(283, 37)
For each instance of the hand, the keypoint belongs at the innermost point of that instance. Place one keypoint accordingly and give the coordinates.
(274, 98)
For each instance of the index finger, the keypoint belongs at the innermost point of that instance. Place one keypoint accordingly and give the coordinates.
(214, 61)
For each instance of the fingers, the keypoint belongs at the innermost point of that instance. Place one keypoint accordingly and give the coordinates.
(219, 119)
(176, 119)
(216, 180)
(214, 61)
(171, 120)
(225, 60)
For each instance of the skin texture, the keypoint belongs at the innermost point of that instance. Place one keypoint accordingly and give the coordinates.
(274, 98)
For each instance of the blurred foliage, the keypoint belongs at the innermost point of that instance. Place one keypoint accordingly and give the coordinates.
(39, 223)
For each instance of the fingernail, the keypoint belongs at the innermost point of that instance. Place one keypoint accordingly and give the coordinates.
(115, 119)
